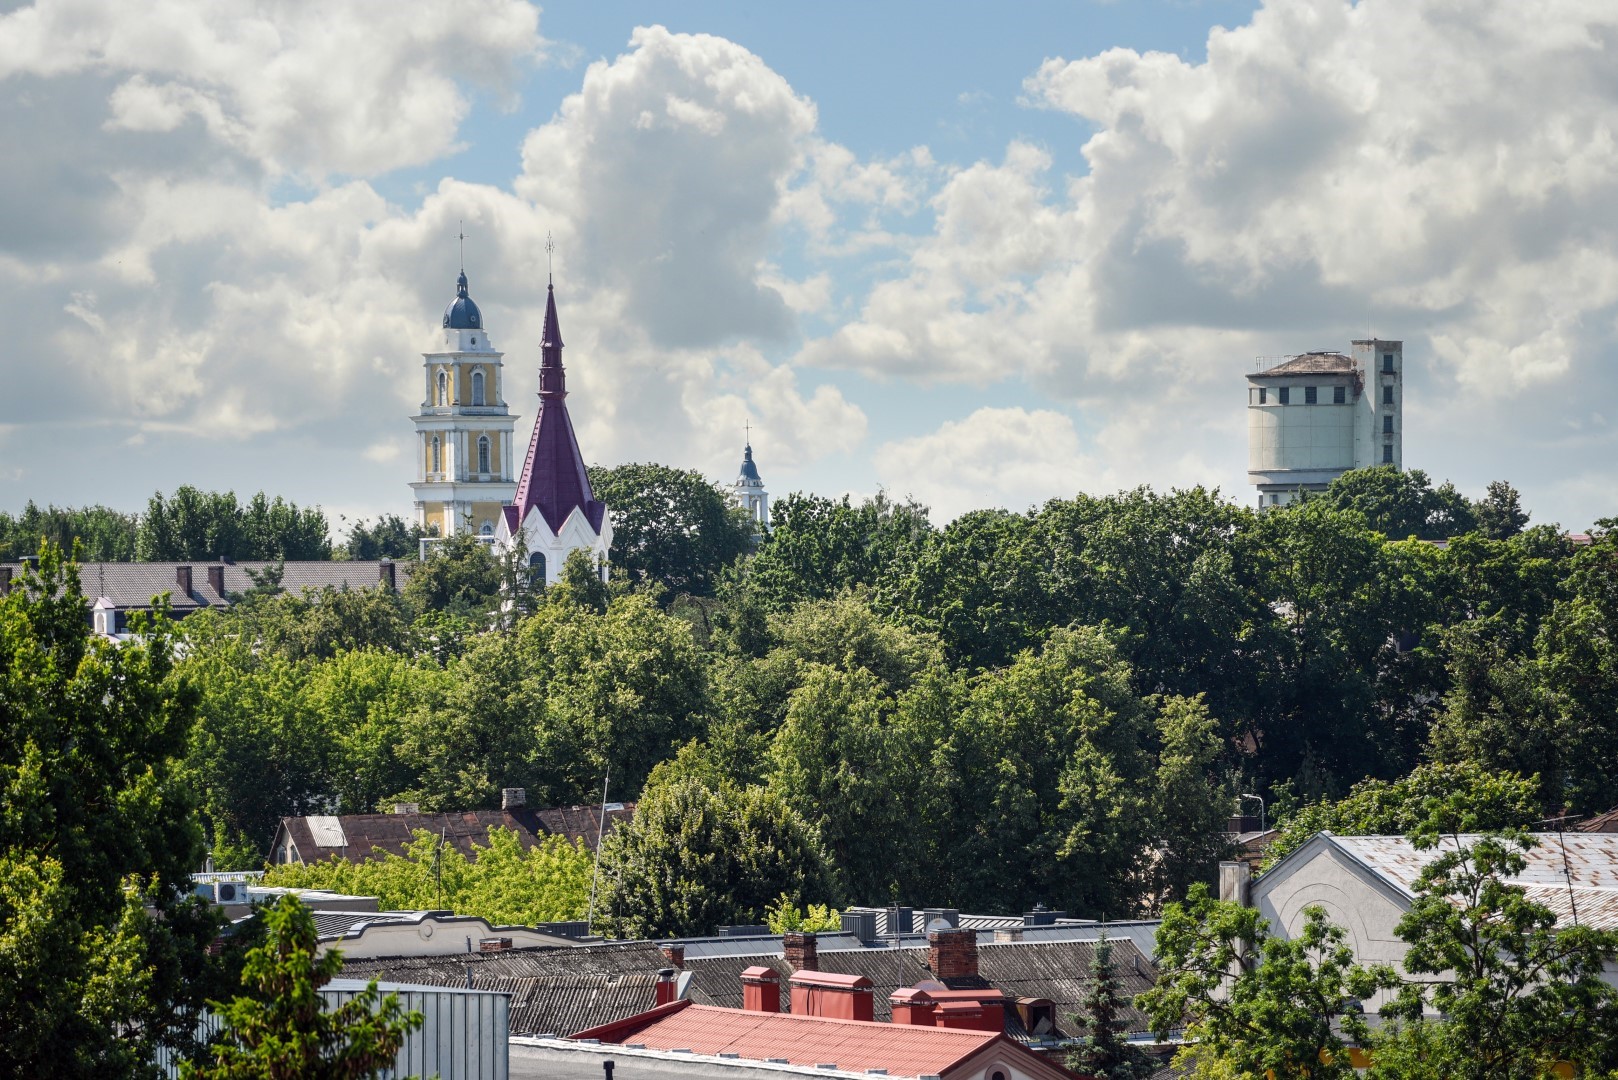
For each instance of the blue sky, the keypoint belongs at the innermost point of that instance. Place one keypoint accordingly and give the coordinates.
(982, 255)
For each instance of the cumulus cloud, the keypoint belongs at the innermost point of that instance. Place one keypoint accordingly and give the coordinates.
(1012, 458)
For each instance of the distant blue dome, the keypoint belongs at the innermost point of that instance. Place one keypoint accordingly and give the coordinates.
(749, 470)
(462, 313)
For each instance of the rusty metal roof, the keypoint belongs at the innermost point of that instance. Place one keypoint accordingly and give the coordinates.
(1311, 363)
(1564, 871)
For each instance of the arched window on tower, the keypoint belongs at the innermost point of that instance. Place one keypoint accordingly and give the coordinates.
(443, 389)
(477, 391)
(437, 459)
(536, 569)
(483, 453)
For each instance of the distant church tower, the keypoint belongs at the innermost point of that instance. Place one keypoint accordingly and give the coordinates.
(748, 491)
(554, 509)
(463, 431)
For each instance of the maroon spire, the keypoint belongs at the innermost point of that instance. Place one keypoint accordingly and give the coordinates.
(553, 477)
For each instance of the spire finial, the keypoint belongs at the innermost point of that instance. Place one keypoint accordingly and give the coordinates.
(747, 426)
(461, 236)
(550, 246)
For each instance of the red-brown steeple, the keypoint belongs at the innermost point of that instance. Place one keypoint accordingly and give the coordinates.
(553, 477)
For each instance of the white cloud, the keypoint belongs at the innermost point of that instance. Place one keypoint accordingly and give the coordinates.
(1012, 458)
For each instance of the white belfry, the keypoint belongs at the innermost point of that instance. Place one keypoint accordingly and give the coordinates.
(748, 490)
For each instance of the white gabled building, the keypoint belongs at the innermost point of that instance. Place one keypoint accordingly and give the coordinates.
(1315, 416)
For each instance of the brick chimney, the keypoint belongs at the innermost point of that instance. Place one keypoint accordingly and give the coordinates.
(665, 986)
(494, 944)
(674, 954)
(5, 580)
(800, 951)
(513, 798)
(833, 995)
(952, 954)
(385, 574)
(216, 578)
(912, 1007)
(182, 578)
(961, 1015)
(761, 989)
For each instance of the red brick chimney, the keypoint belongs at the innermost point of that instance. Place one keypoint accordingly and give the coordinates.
(761, 989)
(182, 578)
(665, 986)
(216, 579)
(800, 951)
(952, 954)
(674, 954)
(912, 1007)
(832, 995)
(964, 1015)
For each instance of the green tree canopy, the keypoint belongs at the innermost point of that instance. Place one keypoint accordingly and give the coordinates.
(104, 535)
(1400, 503)
(460, 576)
(209, 525)
(670, 527)
(390, 537)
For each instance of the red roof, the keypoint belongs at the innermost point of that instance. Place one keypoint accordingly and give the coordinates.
(850, 1045)
(553, 479)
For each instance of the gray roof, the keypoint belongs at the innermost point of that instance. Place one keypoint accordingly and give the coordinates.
(1311, 363)
(133, 585)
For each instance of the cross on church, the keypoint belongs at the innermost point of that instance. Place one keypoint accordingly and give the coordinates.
(550, 246)
(462, 237)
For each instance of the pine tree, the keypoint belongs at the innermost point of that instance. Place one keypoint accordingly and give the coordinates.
(1105, 1054)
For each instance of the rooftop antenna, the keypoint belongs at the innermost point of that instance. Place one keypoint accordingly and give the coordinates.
(550, 247)
(601, 826)
(461, 236)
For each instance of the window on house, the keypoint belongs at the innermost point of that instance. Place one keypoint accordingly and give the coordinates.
(437, 460)
(1309, 397)
(1339, 394)
(483, 453)
(443, 388)
(1387, 425)
(1283, 394)
(1387, 362)
(486, 529)
(1387, 394)
(477, 389)
(1387, 454)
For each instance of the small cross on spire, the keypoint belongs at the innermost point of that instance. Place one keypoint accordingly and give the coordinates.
(747, 426)
(550, 246)
(461, 236)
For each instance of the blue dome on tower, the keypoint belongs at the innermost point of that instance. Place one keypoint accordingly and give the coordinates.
(462, 313)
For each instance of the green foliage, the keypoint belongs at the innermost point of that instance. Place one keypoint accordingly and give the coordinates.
(818, 547)
(282, 1027)
(103, 535)
(1105, 1053)
(1434, 798)
(1256, 1004)
(580, 583)
(696, 857)
(1499, 513)
(460, 576)
(97, 840)
(1517, 993)
(670, 527)
(389, 538)
(501, 883)
(786, 916)
(1402, 503)
(209, 525)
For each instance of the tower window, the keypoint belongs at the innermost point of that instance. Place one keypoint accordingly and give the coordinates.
(1284, 394)
(1387, 425)
(1387, 394)
(437, 460)
(443, 389)
(483, 453)
(536, 568)
(1339, 394)
(1387, 454)
(1263, 394)
(1309, 397)
(1387, 362)
(477, 390)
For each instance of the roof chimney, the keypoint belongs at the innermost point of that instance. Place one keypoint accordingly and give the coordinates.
(952, 954)
(964, 1015)
(182, 578)
(912, 1007)
(385, 574)
(674, 954)
(832, 995)
(1234, 878)
(494, 944)
(761, 989)
(216, 579)
(5, 580)
(665, 986)
(513, 798)
(800, 951)
(407, 808)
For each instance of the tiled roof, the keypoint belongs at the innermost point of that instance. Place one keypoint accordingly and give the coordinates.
(1313, 363)
(851, 1045)
(1607, 822)
(132, 585)
(1563, 871)
(609, 958)
(361, 835)
(564, 1004)
(1057, 971)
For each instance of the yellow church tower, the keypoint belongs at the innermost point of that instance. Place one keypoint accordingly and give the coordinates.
(464, 452)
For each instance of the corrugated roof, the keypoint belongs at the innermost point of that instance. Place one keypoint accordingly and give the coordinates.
(1563, 870)
(608, 958)
(563, 1004)
(1313, 363)
(850, 1045)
